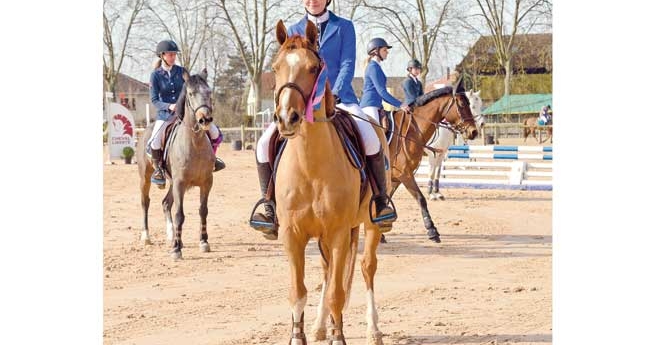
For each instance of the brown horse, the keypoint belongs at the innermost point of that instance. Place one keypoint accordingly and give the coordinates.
(418, 128)
(317, 193)
(531, 126)
(189, 162)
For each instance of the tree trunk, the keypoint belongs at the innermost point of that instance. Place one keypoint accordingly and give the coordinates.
(508, 76)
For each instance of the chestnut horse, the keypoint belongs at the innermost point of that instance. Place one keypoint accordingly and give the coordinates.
(317, 191)
(190, 162)
(441, 141)
(418, 128)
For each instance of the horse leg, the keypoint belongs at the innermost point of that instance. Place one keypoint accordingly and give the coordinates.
(319, 329)
(438, 175)
(177, 243)
(368, 269)
(410, 183)
(294, 244)
(203, 213)
(167, 203)
(145, 184)
(431, 175)
(339, 247)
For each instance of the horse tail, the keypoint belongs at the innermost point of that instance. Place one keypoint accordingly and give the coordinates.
(349, 277)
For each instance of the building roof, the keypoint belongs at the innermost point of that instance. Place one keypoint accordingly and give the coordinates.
(519, 104)
(532, 54)
(131, 85)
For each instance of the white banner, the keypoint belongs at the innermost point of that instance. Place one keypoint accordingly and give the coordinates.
(121, 130)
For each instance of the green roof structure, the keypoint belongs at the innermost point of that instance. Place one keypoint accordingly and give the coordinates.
(520, 104)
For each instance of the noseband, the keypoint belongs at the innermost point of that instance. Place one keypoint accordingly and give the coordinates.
(202, 121)
(461, 125)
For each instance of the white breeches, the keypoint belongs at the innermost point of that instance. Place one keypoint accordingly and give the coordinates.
(373, 112)
(156, 135)
(366, 130)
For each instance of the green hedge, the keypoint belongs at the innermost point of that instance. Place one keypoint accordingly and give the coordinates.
(493, 87)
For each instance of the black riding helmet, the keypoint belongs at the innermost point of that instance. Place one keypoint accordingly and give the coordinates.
(166, 46)
(413, 63)
(375, 44)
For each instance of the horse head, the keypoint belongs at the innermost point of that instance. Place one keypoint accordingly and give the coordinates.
(198, 97)
(297, 68)
(460, 116)
(476, 107)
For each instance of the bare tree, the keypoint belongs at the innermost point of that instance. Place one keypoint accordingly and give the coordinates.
(251, 22)
(416, 24)
(188, 23)
(503, 24)
(346, 8)
(118, 22)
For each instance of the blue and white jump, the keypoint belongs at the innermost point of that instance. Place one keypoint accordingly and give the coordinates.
(487, 174)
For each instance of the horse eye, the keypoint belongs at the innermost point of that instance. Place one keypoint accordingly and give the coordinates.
(314, 69)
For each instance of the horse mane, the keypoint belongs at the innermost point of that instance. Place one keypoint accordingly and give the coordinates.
(430, 96)
(180, 103)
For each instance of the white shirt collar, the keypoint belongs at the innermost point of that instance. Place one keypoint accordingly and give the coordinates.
(319, 19)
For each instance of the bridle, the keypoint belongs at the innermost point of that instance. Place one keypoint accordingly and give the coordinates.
(310, 100)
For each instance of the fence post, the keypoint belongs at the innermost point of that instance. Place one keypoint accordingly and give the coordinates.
(242, 136)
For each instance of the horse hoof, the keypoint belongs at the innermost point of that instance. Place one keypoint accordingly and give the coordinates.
(375, 338)
(204, 247)
(442, 197)
(382, 239)
(433, 235)
(319, 334)
(176, 255)
(146, 242)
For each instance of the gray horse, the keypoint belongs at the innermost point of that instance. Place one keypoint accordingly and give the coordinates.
(189, 162)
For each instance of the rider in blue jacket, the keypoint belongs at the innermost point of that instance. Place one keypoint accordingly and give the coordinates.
(338, 50)
(374, 81)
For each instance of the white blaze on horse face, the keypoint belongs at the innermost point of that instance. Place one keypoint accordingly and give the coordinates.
(293, 60)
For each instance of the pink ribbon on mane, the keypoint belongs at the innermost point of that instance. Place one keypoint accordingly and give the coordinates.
(315, 99)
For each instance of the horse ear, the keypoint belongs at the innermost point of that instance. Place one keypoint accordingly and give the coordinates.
(186, 76)
(204, 74)
(311, 33)
(478, 93)
(281, 32)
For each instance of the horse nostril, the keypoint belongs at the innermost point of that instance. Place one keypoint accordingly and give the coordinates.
(275, 118)
(294, 117)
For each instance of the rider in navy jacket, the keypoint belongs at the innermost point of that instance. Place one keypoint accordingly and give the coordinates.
(412, 87)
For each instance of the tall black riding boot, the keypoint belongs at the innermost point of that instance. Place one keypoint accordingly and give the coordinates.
(265, 222)
(158, 177)
(385, 215)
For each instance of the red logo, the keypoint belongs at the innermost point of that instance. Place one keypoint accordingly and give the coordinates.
(121, 122)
